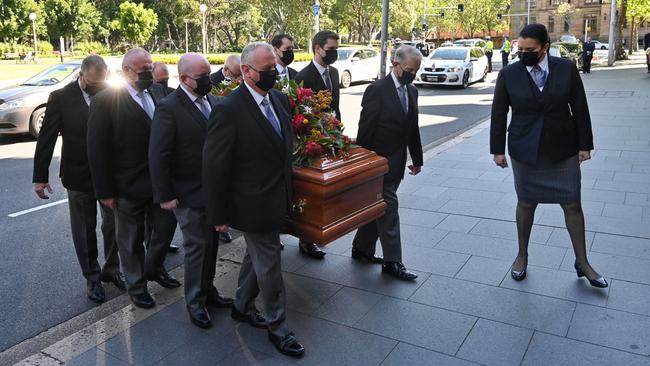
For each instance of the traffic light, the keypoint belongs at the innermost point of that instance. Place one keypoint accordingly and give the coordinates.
(424, 27)
(461, 8)
(507, 8)
(442, 14)
(499, 16)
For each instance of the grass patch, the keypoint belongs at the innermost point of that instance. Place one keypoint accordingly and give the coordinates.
(10, 70)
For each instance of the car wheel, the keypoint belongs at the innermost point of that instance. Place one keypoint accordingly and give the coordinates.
(466, 79)
(603, 47)
(36, 121)
(346, 79)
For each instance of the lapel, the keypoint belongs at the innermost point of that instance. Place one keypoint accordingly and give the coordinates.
(283, 117)
(191, 107)
(317, 78)
(552, 63)
(79, 97)
(392, 92)
(135, 108)
(534, 89)
(254, 110)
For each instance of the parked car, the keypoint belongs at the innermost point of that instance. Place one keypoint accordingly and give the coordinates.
(573, 52)
(424, 47)
(474, 42)
(357, 64)
(453, 66)
(600, 45)
(569, 38)
(22, 107)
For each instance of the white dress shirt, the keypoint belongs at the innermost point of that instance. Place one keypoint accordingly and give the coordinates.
(259, 98)
(543, 65)
(196, 99)
(321, 70)
(83, 92)
(397, 86)
(147, 97)
(283, 71)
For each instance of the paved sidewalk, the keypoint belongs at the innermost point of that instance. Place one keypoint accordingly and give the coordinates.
(459, 235)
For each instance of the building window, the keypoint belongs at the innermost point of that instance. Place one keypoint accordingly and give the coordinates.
(556, 2)
(591, 21)
(533, 3)
(551, 25)
(587, 2)
(567, 26)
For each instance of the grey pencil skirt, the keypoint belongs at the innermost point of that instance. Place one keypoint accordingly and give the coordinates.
(548, 182)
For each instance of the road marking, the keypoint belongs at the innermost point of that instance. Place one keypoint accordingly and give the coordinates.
(20, 213)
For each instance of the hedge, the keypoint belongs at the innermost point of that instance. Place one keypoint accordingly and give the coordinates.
(45, 48)
(218, 59)
(89, 48)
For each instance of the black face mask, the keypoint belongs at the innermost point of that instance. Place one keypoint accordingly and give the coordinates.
(287, 57)
(406, 77)
(331, 56)
(164, 83)
(530, 58)
(203, 86)
(267, 79)
(94, 89)
(145, 80)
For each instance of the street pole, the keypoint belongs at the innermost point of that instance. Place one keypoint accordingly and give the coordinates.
(187, 44)
(32, 17)
(62, 47)
(424, 16)
(317, 17)
(203, 8)
(528, 13)
(384, 38)
(586, 29)
(611, 55)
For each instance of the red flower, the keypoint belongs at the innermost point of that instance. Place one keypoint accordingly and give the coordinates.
(292, 103)
(298, 121)
(313, 149)
(304, 93)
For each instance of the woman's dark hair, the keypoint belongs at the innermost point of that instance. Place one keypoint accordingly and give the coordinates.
(537, 32)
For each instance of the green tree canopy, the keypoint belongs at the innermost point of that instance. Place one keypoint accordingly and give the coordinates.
(14, 19)
(71, 18)
(135, 23)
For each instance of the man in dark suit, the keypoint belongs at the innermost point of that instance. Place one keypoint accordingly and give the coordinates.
(320, 75)
(67, 114)
(247, 162)
(118, 145)
(588, 55)
(389, 125)
(283, 47)
(161, 76)
(230, 70)
(175, 155)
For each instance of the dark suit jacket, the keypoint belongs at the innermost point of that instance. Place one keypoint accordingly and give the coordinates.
(646, 40)
(217, 77)
(246, 165)
(555, 122)
(312, 79)
(178, 132)
(118, 144)
(386, 129)
(292, 73)
(67, 114)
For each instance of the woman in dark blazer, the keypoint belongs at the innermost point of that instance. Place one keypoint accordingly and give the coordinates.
(548, 137)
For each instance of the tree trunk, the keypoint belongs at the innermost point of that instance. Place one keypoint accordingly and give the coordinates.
(620, 51)
(633, 39)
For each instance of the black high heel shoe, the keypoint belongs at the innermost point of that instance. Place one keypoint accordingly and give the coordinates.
(599, 282)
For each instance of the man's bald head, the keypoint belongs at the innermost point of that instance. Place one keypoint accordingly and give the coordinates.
(232, 67)
(160, 72)
(191, 67)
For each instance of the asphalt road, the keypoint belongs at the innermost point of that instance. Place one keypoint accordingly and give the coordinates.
(41, 284)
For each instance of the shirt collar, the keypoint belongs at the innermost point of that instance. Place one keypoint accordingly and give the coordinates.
(280, 68)
(257, 96)
(320, 68)
(133, 91)
(395, 80)
(190, 95)
(542, 64)
(86, 95)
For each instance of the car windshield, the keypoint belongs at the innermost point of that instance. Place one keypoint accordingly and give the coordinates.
(449, 54)
(345, 54)
(52, 75)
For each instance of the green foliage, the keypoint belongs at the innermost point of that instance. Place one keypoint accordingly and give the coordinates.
(135, 23)
(71, 18)
(14, 48)
(89, 48)
(45, 49)
(14, 19)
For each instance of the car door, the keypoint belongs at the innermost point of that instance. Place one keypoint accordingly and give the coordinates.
(474, 59)
(371, 63)
(356, 66)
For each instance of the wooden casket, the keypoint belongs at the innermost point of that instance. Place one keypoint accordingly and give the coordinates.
(335, 197)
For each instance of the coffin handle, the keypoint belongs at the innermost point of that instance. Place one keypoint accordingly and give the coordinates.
(299, 207)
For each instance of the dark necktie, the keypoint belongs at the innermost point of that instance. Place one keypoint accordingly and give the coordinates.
(328, 81)
(203, 107)
(271, 117)
(403, 98)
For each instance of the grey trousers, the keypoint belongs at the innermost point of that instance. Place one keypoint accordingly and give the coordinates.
(163, 232)
(83, 223)
(201, 243)
(130, 218)
(386, 228)
(261, 272)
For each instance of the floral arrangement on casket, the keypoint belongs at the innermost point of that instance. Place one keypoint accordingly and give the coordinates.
(316, 130)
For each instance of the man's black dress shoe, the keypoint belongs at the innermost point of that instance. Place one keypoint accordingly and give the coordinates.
(215, 300)
(311, 250)
(115, 279)
(398, 270)
(287, 345)
(359, 255)
(95, 292)
(165, 280)
(144, 300)
(225, 237)
(199, 317)
(256, 319)
(173, 248)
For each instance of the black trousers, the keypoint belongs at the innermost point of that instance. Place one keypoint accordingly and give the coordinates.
(165, 232)
(83, 223)
(504, 59)
(489, 57)
(586, 63)
(130, 218)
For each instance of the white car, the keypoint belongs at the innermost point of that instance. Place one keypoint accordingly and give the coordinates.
(600, 45)
(453, 66)
(357, 64)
